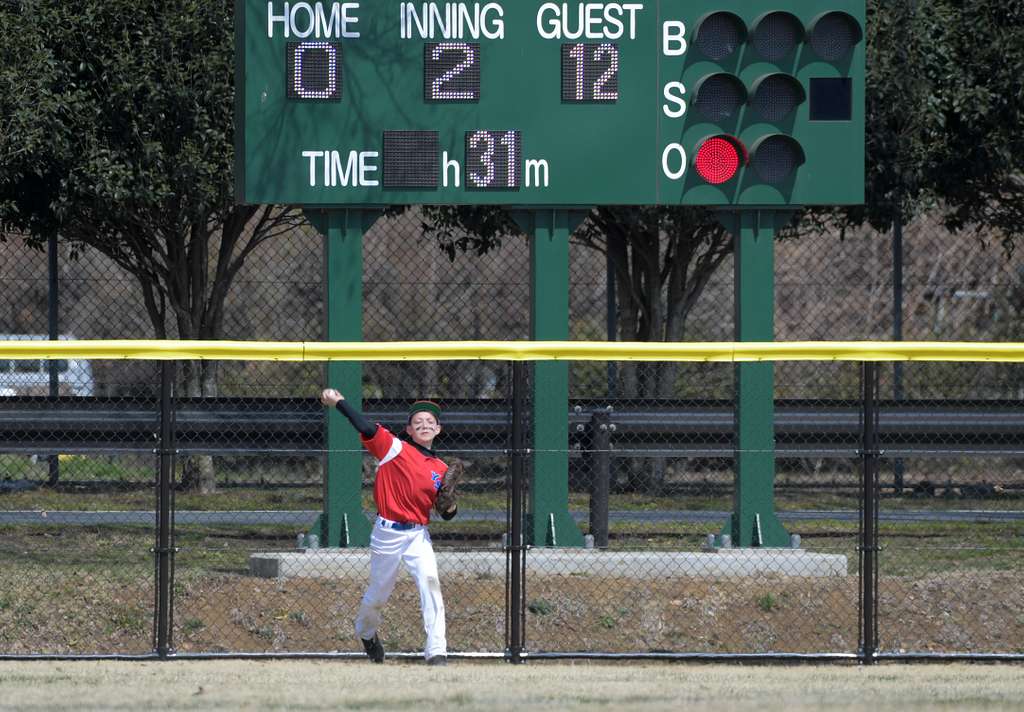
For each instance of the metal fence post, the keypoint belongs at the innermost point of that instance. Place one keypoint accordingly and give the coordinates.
(601, 441)
(53, 330)
(611, 318)
(869, 514)
(897, 331)
(515, 580)
(164, 492)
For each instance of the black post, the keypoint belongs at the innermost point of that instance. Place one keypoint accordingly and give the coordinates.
(516, 609)
(897, 330)
(164, 491)
(53, 327)
(869, 514)
(601, 442)
(611, 319)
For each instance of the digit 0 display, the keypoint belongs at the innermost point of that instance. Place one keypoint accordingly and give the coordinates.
(314, 71)
(533, 103)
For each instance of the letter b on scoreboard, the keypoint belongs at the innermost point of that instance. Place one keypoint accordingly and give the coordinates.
(775, 96)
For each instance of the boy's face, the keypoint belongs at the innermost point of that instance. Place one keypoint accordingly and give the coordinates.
(423, 428)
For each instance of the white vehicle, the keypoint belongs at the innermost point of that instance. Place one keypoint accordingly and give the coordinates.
(32, 377)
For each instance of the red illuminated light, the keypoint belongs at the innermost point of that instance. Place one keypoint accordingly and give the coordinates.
(719, 157)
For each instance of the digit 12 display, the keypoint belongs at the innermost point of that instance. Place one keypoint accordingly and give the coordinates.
(590, 73)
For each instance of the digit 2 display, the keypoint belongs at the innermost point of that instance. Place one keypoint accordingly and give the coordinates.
(451, 72)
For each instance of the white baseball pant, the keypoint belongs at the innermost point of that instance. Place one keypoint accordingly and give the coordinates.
(388, 548)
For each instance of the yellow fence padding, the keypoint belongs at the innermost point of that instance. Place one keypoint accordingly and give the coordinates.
(154, 349)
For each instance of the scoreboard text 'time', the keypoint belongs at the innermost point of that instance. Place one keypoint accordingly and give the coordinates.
(521, 102)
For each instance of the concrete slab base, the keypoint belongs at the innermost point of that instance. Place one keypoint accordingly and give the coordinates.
(339, 563)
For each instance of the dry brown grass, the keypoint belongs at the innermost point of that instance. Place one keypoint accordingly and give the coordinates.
(494, 687)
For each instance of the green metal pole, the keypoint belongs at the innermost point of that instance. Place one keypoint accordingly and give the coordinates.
(344, 523)
(549, 522)
(754, 522)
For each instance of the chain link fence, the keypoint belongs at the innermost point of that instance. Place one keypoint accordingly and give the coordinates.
(649, 477)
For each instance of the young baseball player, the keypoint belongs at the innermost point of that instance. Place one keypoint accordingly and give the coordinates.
(410, 480)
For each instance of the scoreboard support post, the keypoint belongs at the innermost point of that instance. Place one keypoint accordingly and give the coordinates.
(549, 522)
(343, 522)
(753, 521)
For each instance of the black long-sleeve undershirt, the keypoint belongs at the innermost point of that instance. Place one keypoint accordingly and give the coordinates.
(358, 420)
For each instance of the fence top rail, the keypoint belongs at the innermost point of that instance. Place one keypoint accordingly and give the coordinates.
(727, 351)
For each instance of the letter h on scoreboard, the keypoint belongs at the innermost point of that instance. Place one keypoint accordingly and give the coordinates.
(776, 103)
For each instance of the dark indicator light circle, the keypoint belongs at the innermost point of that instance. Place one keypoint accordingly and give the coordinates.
(776, 96)
(834, 35)
(719, 158)
(719, 34)
(776, 157)
(720, 96)
(776, 35)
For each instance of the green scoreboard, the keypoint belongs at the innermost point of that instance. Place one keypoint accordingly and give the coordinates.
(519, 102)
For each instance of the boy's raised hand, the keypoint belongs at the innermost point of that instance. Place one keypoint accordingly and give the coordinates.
(330, 397)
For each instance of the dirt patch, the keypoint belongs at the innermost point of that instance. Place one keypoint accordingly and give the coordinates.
(82, 612)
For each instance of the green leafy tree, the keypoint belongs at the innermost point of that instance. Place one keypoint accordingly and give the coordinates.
(116, 132)
(944, 111)
(663, 258)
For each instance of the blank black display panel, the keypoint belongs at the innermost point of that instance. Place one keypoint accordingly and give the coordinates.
(411, 160)
(831, 99)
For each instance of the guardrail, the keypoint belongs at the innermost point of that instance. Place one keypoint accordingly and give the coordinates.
(40, 425)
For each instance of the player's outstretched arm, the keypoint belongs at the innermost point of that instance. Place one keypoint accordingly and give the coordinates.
(332, 398)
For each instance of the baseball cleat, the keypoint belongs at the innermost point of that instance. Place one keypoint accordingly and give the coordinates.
(374, 649)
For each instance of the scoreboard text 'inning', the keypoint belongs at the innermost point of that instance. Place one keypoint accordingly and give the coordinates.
(528, 103)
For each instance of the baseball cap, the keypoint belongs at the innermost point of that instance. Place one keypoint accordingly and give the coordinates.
(427, 407)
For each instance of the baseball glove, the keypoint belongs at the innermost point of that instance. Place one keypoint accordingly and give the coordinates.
(447, 496)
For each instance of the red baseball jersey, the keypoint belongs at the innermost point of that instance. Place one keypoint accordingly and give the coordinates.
(407, 479)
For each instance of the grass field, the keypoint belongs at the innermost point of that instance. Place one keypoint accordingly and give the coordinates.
(496, 686)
